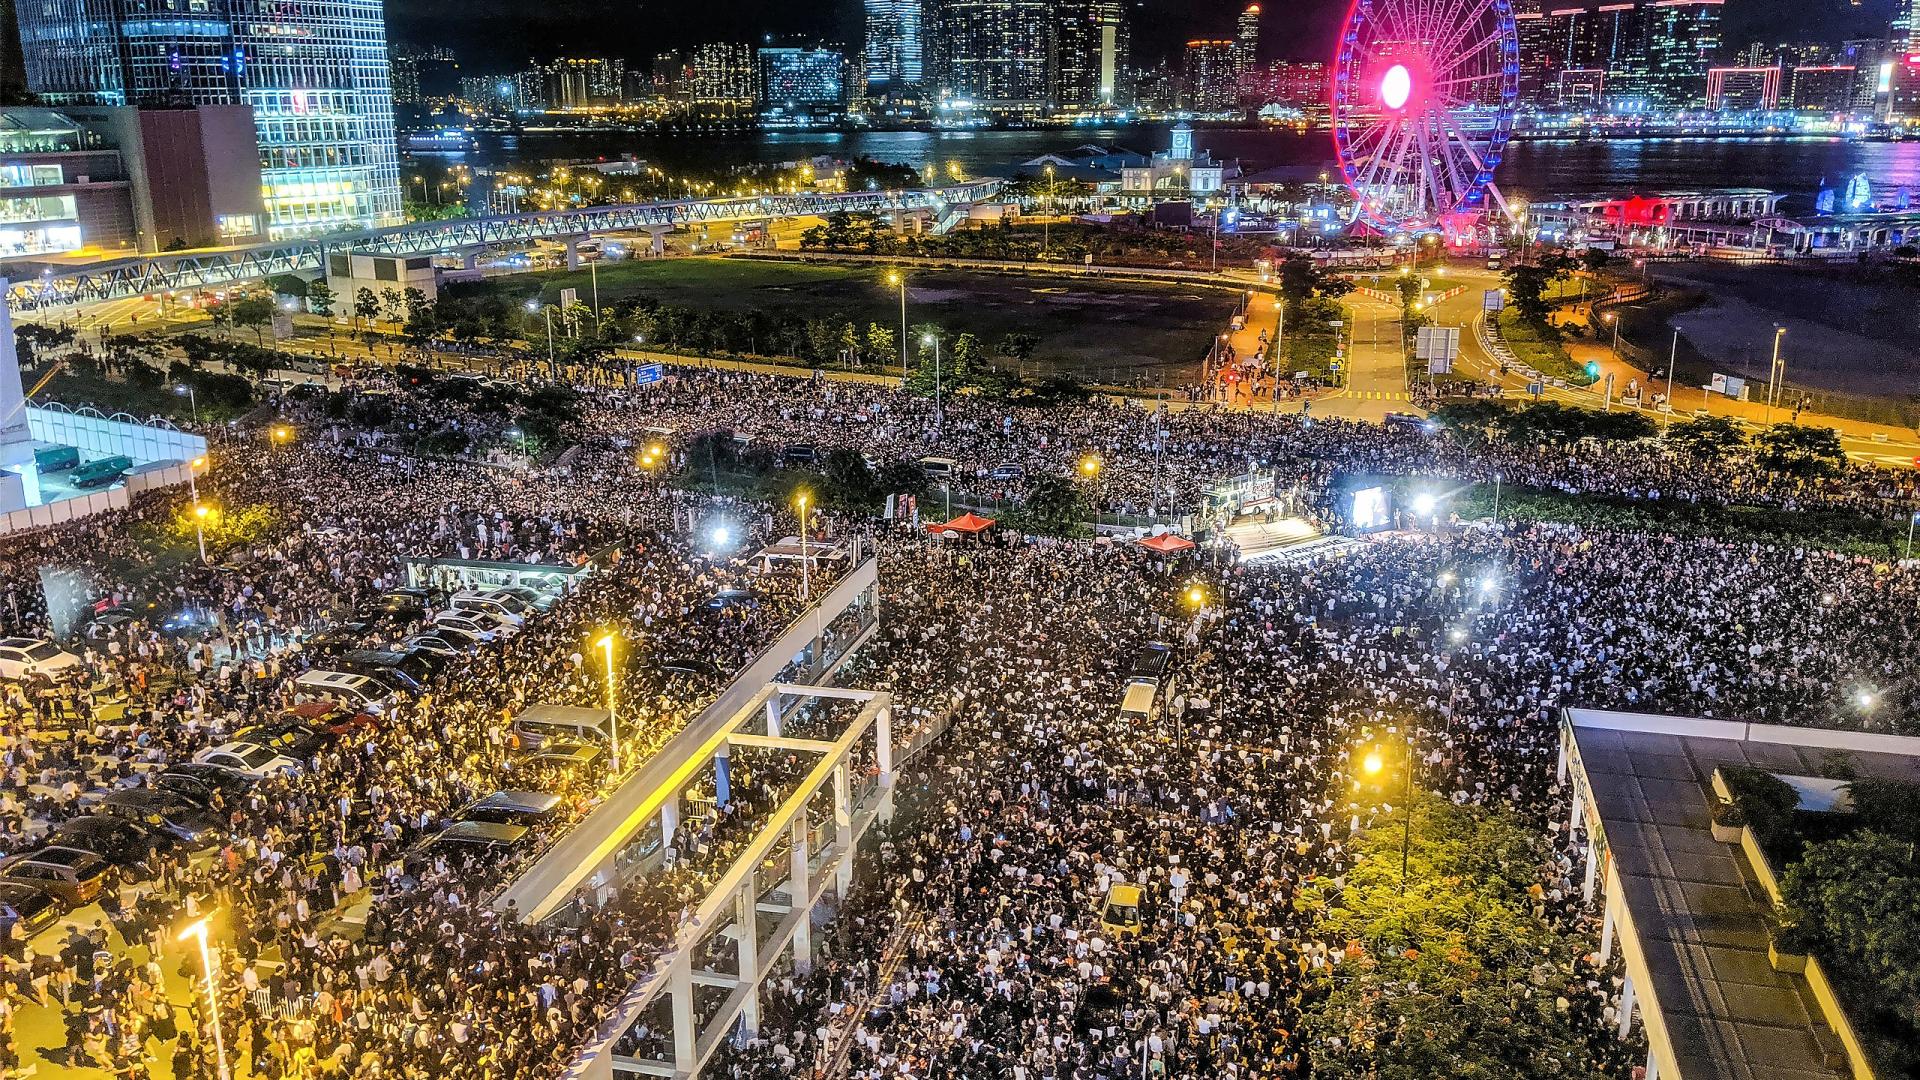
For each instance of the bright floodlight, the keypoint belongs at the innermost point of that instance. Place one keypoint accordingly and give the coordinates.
(533, 305)
(926, 339)
(1424, 503)
(1396, 87)
(722, 536)
(1865, 699)
(1372, 764)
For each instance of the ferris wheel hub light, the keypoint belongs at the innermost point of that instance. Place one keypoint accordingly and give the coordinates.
(1396, 86)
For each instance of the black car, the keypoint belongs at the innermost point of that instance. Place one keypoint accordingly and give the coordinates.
(527, 808)
(407, 671)
(169, 812)
(291, 738)
(196, 782)
(22, 903)
(117, 840)
(339, 638)
(1151, 661)
(398, 605)
(801, 454)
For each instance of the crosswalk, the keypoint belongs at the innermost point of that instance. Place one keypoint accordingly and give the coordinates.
(1378, 395)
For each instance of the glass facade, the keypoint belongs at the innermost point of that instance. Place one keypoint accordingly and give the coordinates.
(315, 72)
(893, 47)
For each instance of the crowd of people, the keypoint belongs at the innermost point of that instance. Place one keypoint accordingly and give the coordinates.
(974, 944)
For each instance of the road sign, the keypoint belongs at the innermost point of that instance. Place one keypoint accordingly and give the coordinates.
(1437, 345)
(568, 298)
(647, 373)
(1536, 389)
(1335, 365)
(1493, 300)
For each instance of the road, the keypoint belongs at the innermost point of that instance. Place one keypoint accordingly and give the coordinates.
(1881, 444)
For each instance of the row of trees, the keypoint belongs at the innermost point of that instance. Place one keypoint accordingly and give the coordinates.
(869, 234)
(1792, 449)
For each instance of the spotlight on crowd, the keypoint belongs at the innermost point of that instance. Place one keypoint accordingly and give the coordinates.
(1446, 577)
(1489, 585)
(1196, 596)
(721, 537)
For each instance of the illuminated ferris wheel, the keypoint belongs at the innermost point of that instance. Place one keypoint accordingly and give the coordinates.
(1423, 101)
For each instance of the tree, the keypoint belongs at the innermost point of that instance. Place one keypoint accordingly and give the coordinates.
(881, 346)
(1527, 291)
(1018, 347)
(1055, 506)
(848, 480)
(393, 305)
(1854, 900)
(1301, 277)
(255, 313)
(1448, 972)
(1800, 451)
(366, 306)
(1594, 260)
(320, 298)
(1709, 438)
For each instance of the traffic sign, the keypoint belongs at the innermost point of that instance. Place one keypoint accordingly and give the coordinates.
(1335, 365)
(1536, 389)
(647, 373)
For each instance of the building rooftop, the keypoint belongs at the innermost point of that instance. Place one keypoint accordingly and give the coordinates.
(1694, 911)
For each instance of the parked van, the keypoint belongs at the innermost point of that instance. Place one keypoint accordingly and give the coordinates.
(1136, 705)
(543, 724)
(939, 468)
(101, 472)
(352, 690)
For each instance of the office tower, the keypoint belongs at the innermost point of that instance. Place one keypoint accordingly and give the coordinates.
(1246, 56)
(1300, 84)
(1091, 49)
(1155, 89)
(894, 55)
(1209, 84)
(802, 83)
(1905, 31)
(1821, 88)
(578, 83)
(992, 57)
(1682, 37)
(1579, 39)
(722, 74)
(316, 75)
(420, 75)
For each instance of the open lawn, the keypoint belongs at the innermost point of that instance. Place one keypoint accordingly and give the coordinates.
(1539, 352)
(1118, 332)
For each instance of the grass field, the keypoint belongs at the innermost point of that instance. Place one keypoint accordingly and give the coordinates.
(1095, 331)
(1543, 355)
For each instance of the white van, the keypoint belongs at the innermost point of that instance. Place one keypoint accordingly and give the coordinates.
(540, 725)
(1136, 705)
(362, 692)
(939, 468)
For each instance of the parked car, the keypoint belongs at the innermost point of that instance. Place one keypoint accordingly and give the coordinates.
(339, 638)
(115, 839)
(76, 877)
(536, 599)
(468, 843)
(165, 811)
(386, 666)
(346, 687)
(567, 755)
(465, 626)
(30, 905)
(329, 717)
(398, 605)
(197, 781)
(727, 598)
(284, 736)
(25, 657)
(478, 605)
(248, 758)
(445, 646)
(529, 808)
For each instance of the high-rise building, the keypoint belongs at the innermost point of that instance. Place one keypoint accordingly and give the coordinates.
(992, 57)
(1581, 36)
(579, 83)
(1299, 84)
(1905, 31)
(422, 74)
(894, 55)
(722, 74)
(1209, 83)
(1246, 55)
(1821, 88)
(802, 83)
(317, 76)
(1091, 50)
(1682, 37)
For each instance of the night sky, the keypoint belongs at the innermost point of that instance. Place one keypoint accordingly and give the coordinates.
(504, 34)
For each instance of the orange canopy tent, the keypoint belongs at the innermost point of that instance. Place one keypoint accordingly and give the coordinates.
(1166, 543)
(967, 524)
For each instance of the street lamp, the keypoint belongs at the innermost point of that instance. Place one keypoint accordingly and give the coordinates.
(1046, 222)
(1776, 375)
(1373, 765)
(282, 434)
(200, 512)
(1614, 318)
(806, 563)
(1911, 518)
(613, 719)
(1090, 466)
(1673, 359)
(193, 400)
(899, 281)
(553, 364)
(198, 931)
(939, 415)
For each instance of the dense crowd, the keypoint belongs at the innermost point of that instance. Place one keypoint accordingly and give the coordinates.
(974, 945)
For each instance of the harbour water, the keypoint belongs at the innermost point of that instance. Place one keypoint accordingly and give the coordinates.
(1534, 168)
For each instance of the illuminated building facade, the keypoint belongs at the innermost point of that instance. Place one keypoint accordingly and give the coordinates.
(801, 83)
(992, 57)
(894, 54)
(1743, 89)
(316, 75)
(1091, 52)
(1210, 84)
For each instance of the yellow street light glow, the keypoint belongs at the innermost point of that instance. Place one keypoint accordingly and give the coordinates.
(200, 462)
(1372, 764)
(1090, 465)
(1196, 596)
(200, 511)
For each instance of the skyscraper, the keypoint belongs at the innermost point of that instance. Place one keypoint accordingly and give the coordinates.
(1091, 49)
(723, 75)
(993, 57)
(1682, 37)
(316, 75)
(1209, 84)
(894, 50)
(802, 83)
(1246, 54)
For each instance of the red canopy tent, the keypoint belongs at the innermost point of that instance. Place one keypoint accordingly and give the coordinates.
(967, 524)
(1166, 543)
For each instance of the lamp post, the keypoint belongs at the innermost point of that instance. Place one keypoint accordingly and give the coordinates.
(198, 931)
(1614, 318)
(193, 400)
(1372, 765)
(613, 718)
(806, 563)
(593, 272)
(553, 364)
(899, 281)
(200, 535)
(1911, 518)
(939, 415)
(1279, 336)
(1673, 358)
(1775, 373)
(1046, 222)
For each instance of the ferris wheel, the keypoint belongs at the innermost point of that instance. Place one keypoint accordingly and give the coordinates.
(1423, 102)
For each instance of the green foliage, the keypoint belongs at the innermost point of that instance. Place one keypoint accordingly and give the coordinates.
(446, 442)
(847, 480)
(321, 298)
(901, 478)
(1455, 976)
(1550, 421)
(1301, 278)
(1472, 422)
(289, 285)
(253, 313)
(1800, 451)
(1769, 802)
(1055, 506)
(1709, 438)
(1890, 807)
(144, 376)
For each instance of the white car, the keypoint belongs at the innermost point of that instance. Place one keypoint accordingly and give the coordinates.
(23, 657)
(503, 607)
(465, 625)
(250, 758)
